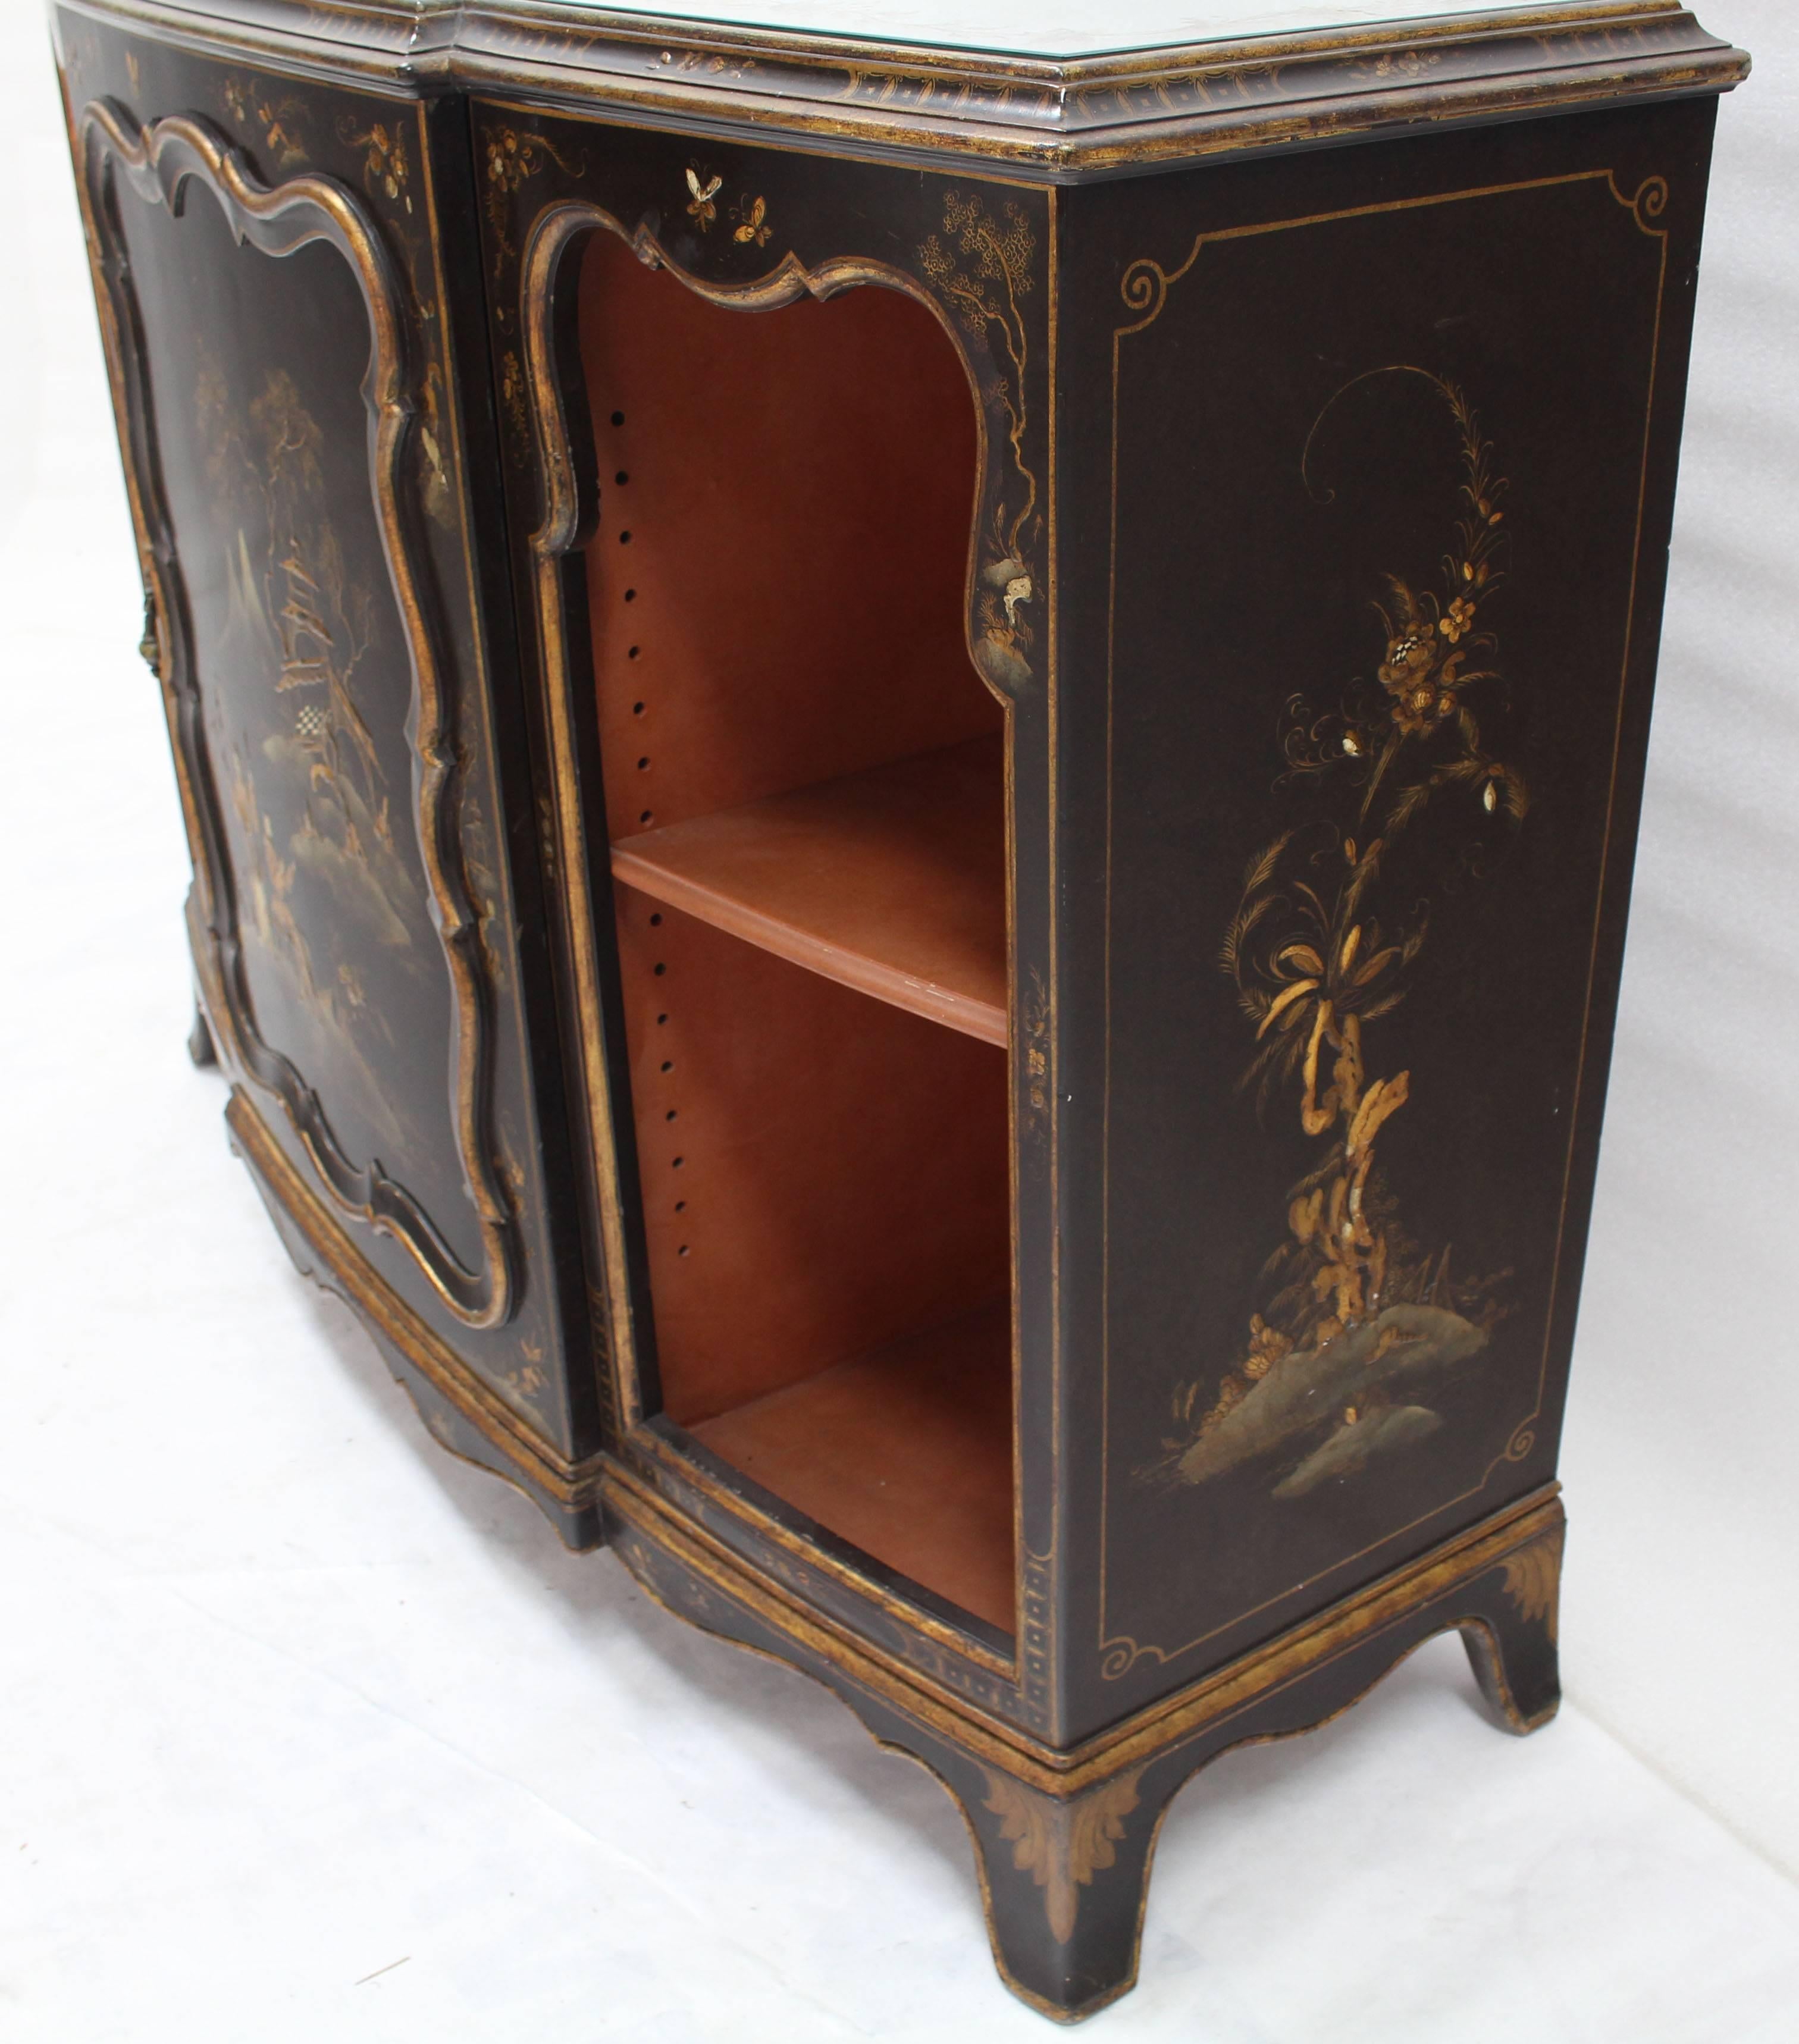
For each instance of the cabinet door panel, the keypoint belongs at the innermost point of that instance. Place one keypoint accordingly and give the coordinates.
(270, 266)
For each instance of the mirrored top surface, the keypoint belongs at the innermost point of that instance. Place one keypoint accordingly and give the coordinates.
(1069, 27)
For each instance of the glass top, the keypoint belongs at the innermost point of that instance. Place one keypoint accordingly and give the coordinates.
(1067, 27)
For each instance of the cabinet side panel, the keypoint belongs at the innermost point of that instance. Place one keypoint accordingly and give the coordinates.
(1374, 513)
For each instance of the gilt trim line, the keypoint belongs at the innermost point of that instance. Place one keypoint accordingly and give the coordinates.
(158, 160)
(555, 539)
(539, 1463)
(1203, 1706)
(666, 1465)
(1144, 287)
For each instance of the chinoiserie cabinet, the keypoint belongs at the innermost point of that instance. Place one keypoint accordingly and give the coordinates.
(912, 775)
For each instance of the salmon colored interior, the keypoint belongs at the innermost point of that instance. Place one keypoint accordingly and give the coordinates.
(804, 793)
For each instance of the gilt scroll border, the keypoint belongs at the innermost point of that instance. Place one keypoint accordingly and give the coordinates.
(557, 229)
(159, 159)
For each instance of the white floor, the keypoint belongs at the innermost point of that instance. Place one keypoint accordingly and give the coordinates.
(307, 1731)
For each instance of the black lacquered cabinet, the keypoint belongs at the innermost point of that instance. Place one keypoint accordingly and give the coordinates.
(912, 776)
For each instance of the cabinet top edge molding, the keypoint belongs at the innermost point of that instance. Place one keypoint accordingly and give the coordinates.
(1038, 92)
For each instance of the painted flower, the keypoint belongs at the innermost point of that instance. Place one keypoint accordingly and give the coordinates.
(1456, 619)
(1419, 707)
(501, 147)
(1411, 654)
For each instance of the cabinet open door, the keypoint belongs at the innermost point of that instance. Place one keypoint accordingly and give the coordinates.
(804, 781)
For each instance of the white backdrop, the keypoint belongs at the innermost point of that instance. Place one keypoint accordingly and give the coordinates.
(307, 1730)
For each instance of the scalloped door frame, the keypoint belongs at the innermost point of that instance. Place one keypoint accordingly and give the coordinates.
(159, 159)
(557, 230)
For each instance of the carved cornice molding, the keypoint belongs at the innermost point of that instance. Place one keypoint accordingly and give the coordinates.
(1053, 119)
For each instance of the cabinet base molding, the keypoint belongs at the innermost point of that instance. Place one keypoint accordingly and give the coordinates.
(1063, 1840)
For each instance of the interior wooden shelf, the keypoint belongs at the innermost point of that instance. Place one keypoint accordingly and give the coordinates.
(906, 1452)
(891, 881)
